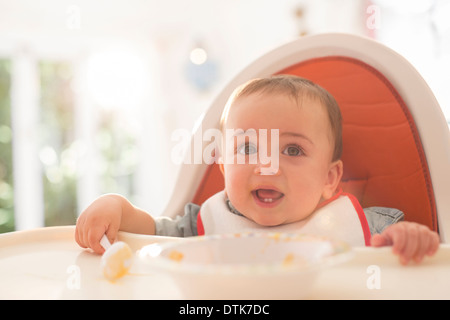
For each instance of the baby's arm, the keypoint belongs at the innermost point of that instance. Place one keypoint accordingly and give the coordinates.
(107, 215)
(409, 240)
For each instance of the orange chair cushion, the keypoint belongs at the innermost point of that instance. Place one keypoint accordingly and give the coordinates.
(211, 183)
(384, 162)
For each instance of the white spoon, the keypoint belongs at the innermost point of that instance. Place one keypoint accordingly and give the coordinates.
(117, 259)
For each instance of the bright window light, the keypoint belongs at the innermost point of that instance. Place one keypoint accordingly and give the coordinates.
(116, 78)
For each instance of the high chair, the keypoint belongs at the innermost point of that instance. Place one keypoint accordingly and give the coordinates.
(396, 140)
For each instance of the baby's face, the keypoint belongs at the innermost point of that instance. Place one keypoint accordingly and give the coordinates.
(304, 175)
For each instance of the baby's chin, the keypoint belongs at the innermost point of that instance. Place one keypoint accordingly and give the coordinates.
(276, 219)
(265, 220)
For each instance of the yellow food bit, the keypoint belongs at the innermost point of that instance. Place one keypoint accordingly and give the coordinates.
(288, 259)
(176, 256)
(275, 236)
(117, 263)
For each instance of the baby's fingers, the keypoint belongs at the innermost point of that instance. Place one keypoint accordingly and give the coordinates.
(404, 240)
(79, 237)
(434, 244)
(93, 238)
(409, 240)
(397, 233)
(423, 242)
(419, 242)
(412, 244)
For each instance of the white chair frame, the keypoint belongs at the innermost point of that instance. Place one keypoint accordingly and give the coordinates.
(425, 110)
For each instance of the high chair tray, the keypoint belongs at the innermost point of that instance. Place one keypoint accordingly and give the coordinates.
(48, 264)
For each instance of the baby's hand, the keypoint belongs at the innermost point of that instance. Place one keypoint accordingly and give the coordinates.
(409, 240)
(103, 216)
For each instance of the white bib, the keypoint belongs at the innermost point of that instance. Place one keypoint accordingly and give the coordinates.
(341, 218)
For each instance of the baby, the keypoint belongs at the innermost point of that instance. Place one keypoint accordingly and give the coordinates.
(297, 190)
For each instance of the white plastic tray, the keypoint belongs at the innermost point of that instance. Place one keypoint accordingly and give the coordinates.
(48, 264)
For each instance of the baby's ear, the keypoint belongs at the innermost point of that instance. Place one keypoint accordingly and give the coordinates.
(335, 172)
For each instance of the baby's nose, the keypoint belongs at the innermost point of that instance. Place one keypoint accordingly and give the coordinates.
(267, 169)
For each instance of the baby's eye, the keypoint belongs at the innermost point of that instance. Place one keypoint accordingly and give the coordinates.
(293, 151)
(247, 149)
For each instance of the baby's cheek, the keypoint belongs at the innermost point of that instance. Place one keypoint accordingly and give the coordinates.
(235, 180)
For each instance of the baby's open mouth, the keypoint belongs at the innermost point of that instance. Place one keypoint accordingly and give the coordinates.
(267, 195)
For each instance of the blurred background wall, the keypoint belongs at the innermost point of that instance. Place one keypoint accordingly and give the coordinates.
(91, 91)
